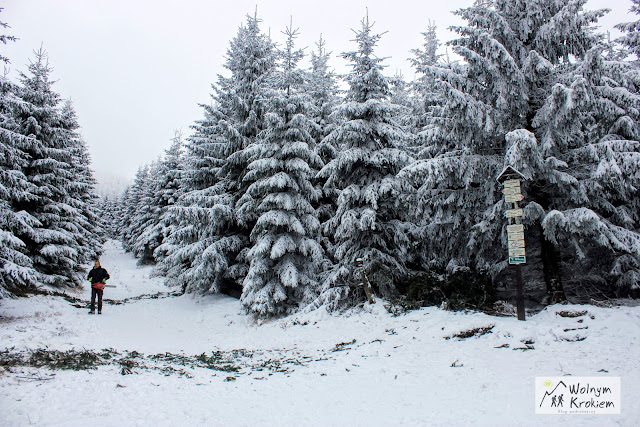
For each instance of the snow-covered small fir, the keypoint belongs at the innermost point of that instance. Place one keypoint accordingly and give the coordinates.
(370, 220)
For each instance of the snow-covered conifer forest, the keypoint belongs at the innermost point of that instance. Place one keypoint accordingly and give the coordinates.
(294, 174)
(242, 257)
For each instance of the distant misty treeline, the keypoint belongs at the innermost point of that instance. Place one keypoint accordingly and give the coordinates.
(49, 224)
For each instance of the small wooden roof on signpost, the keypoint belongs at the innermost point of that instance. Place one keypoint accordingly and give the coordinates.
(509, 172)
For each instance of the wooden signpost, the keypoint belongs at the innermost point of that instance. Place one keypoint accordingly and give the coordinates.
(510, 179)
(365, 281)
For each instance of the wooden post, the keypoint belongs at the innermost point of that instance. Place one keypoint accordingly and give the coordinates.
(519, 293)
(519, 282)
(365, 281)
(511, 178)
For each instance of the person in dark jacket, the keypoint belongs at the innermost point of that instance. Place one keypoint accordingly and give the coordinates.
(97, 276)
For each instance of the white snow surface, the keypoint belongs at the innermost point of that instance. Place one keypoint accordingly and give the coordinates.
(364, 367)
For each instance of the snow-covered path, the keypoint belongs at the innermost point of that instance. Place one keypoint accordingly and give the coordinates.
(366, 368)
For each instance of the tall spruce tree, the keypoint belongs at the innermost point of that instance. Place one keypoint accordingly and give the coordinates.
(285, 256)
(56, 245)
(206, 252)
(322, 85)
(427, 98)
(16, 268)
(167, 191)
(369, 222)
(81, 196)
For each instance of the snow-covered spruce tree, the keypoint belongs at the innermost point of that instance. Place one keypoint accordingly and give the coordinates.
(427, 97)
(401, 95)
(631, 31)
(56, 245)
(131, 200)
(591, 125)
(285, 256)
(16, 268)
(518, 87)
(148, 213)
(81, 196)
(162, 189)
(166, 194)
(108, 211)
(206, 251)
(370, 219)
(122, 220)
(322, 85)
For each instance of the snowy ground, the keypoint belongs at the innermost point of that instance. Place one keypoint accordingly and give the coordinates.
(367, 368)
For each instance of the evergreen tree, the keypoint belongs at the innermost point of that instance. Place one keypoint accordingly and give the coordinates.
(322, 86)
(207, 248)
(16, 267)
(148, 213)
(427, 98)
(108, 212)
(285, 255)
(369, 222)
(89, 228)
(55, 247)
(132, 218)
(167, 193)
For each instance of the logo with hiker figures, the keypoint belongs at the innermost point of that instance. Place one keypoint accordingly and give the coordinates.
(578, 395)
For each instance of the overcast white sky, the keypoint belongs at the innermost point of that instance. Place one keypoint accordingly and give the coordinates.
(136, 70)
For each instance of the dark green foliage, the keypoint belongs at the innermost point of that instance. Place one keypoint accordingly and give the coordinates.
(463, 289)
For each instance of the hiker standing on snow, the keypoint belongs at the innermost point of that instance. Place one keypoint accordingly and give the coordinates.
(97, 276)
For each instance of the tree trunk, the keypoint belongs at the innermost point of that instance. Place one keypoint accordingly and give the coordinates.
(548, 254)
(551, 270)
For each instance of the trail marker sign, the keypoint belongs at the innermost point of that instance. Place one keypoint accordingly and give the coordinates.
(511, 179)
